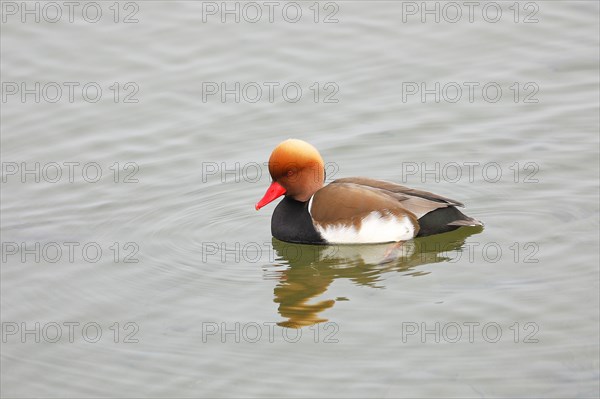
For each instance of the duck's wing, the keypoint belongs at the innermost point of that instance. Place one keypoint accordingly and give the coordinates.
(348, 202)
(418, 202)
(352, 213)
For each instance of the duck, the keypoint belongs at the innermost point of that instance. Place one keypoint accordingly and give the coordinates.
(352, 210)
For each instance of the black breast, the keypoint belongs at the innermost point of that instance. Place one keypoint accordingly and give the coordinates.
(291, 222)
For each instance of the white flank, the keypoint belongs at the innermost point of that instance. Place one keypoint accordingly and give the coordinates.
(374, 228)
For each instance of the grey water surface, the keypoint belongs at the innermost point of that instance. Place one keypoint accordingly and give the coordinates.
(134, 140)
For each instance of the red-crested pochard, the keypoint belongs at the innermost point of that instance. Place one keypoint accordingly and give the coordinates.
(352, 210)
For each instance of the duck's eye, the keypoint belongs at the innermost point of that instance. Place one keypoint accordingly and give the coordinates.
(290, 173)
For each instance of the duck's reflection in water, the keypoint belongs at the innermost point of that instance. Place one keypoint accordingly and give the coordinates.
(304, 272)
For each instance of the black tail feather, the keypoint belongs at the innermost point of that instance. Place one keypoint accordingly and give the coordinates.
(443, 220)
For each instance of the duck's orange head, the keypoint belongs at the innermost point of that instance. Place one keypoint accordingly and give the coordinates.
(297, 170)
